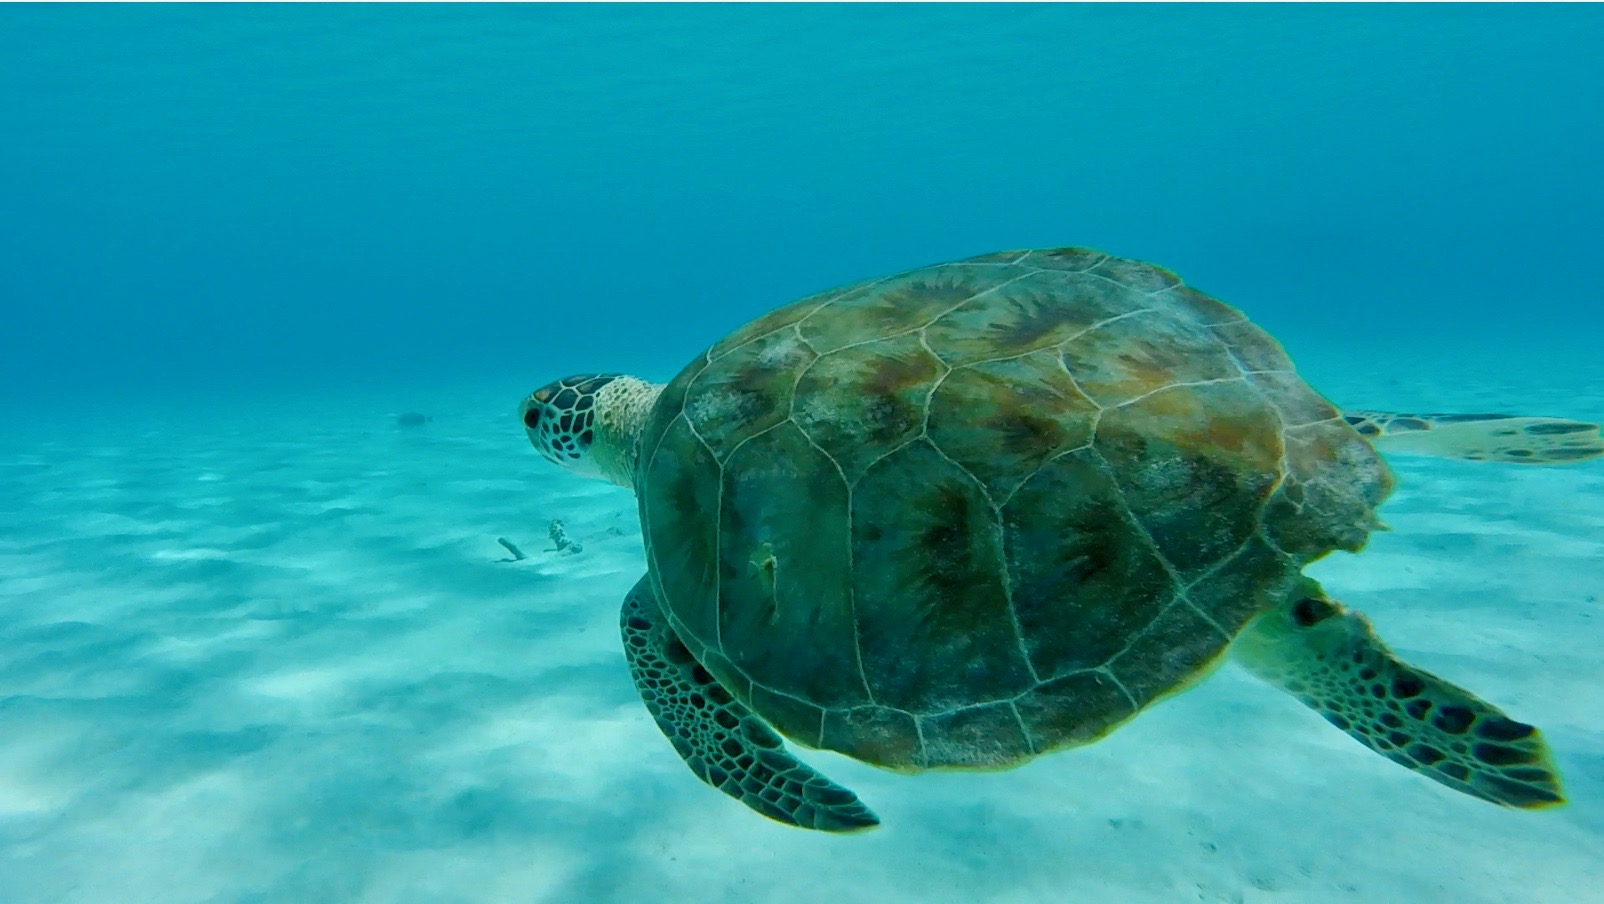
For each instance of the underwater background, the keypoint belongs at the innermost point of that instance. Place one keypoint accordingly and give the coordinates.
(258, 641)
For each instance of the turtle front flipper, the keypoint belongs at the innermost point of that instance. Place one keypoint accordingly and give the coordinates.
(722, 741)
(1327, 656)
(1506, 438)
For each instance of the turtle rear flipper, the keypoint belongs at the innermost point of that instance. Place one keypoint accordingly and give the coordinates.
(1328, 657)
(722, 741)
(1505, 438)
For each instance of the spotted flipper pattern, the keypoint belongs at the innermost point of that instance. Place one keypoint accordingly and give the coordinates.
(723, 742)
(1505, 438)
(1328, 657)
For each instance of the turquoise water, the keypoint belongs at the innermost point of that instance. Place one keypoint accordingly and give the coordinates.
(246, 195)
(255, 640)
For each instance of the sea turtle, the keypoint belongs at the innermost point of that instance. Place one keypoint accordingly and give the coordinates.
(969, 514)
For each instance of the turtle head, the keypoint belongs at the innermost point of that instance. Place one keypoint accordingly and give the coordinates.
(590, 424)
(560, 419)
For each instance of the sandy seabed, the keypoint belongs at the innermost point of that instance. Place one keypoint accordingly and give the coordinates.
(279, 656)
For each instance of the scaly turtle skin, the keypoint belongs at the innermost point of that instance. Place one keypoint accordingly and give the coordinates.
(973, 513)
(1504, 438)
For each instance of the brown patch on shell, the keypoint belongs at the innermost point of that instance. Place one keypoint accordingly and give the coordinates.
(1205, 309)
(747, 391)
(1334, 483)
(1253, 347)
(1195, 466)
(1145, 352)
(1293, 400)
(1137, 275)
(900, 304)
(1033, 312)
(1001, 420)
(1072, 259)
(780, 318)
(861, 402)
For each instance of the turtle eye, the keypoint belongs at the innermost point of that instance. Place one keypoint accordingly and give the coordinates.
(532, 418)
(1310, 611)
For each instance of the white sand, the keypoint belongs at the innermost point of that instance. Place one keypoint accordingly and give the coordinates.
(274, 655)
